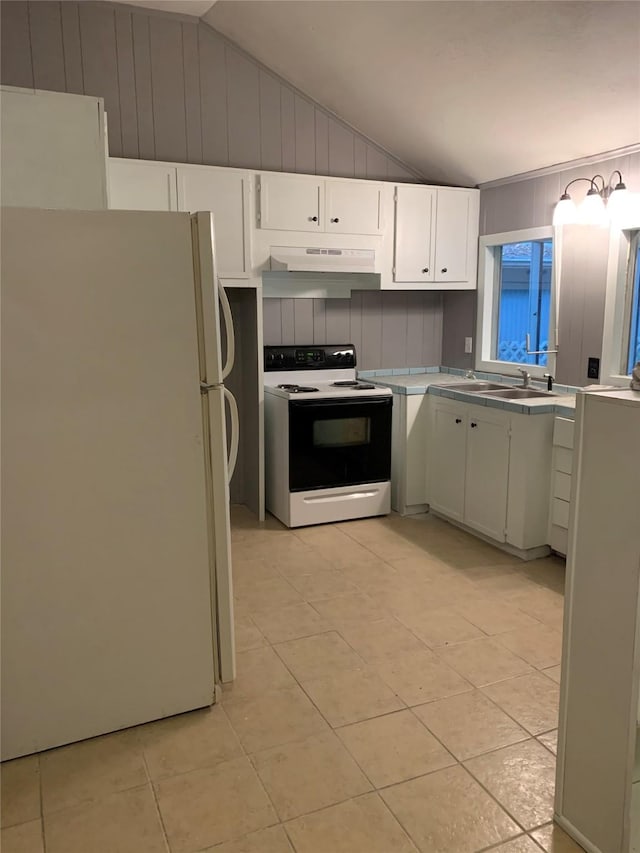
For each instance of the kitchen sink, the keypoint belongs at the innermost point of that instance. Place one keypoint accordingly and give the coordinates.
(519, 394)
(479, 385)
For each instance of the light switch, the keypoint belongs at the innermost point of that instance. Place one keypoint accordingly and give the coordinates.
(468, 345)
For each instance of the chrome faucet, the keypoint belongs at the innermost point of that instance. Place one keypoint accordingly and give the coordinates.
(526, 376)
(470, 375)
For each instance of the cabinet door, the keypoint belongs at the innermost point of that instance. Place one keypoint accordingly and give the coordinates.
(452, 235)
(139, 185)
(487, 474)
(225, 192)
(291, 203)
(353, 208)
(413, 260)
(447, 460)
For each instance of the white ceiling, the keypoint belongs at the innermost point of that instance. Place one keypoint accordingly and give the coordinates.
(196, 8)
(464, 91)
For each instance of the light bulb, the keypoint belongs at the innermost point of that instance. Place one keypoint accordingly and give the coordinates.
(592, 211)
(566, 211)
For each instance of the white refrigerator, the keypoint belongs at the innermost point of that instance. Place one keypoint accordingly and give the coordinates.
(116, 562)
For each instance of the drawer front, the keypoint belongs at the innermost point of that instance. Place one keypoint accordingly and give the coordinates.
(558, 539)
(561, 485)
(563, 459)
(560, 513)
(563, 432)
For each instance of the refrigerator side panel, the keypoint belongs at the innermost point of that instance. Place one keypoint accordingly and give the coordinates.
(207, 303)
(218, 488)
(106, 586)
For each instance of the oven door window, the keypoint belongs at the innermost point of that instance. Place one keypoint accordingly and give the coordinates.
(340, 442)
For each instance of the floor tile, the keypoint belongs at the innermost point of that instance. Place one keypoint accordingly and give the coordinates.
(362, 825)
(127, 822)
(371, 575)
(248, 569)
(483, 661)
(309, 775)
(248, 636)
(266, 594)
(319, 656)
(333, 545)
(272, 840)
(206, 807)
(544, 605)
(553, 672)
(385, 638)
(541, 646)
(347, 609)
(410, 603)
(469, 724)
(258, 670)
(188, 742)
(91, 769)
(521, 778)
(289, 623)
(493, 617)
(352, 695)
(20, 790)
(319, 585)
(442, 811)
(301, 563)
(521, 844)
(550, 740)
(444, 626)
(277, 717)
(393, 748)
(555, 840)
(532, 700)
(420, 677)
(23, 838)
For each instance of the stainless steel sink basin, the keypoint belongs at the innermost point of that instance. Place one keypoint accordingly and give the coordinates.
(519, 394)
(473, 387)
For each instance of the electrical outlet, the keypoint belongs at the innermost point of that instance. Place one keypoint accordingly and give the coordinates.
(593, 368)
(468, 345)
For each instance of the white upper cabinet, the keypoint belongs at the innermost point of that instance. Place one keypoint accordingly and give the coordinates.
(453, 215)
(436, 237)
(225, 192)
(291, 203)
(142, 185)
(415, 209)
(303, 203)
(353, 208)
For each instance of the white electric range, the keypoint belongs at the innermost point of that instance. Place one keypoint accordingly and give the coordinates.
(327, 437)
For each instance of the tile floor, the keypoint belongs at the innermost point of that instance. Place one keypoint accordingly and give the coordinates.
(397, 691)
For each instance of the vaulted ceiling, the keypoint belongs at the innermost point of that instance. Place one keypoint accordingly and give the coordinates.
(463, 91)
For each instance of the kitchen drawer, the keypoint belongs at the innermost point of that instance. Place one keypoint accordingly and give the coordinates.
(563, 459)
(560, 513)
(563, 432)
(561, 485)
(558, 539)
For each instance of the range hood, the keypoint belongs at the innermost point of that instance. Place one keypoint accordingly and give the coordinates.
(292, 259)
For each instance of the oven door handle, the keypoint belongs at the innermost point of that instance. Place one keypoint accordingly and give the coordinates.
(341, 401)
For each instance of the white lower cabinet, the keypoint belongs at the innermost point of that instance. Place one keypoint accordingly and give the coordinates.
(410, 425)
(561, 465)
(490, 470)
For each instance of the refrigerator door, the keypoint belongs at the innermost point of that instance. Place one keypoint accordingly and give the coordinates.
(106, 584)
(212, 303)
(218, 492)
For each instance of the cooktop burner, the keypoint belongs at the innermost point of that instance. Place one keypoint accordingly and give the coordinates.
(353, 383)
(297, 389)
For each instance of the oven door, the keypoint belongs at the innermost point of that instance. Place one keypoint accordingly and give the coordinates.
(339, 442)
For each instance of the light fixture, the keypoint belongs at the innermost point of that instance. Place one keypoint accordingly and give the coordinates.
(592, 211)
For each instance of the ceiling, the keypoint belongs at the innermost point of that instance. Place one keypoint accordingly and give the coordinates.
(463, 91)
(195, 8)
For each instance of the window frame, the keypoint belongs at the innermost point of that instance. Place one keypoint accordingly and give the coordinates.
(488, 295)
(618, 303)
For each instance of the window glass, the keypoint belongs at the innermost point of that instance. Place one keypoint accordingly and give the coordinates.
(524, 301)
(633, 353)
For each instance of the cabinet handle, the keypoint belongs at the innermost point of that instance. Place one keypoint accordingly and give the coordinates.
(444, 269)
(335, 220)
(426, 269)
(458, 420)
(473, 426)
(313, 218)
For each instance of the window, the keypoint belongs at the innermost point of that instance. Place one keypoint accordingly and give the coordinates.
(516, 303)
(621, 344)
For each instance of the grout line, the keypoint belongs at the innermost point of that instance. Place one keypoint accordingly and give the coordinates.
(42, 832)
(155, 800)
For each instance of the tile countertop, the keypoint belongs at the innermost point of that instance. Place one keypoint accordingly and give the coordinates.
(427, 381)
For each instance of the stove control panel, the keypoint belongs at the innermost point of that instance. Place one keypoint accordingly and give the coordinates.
(311, 357)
